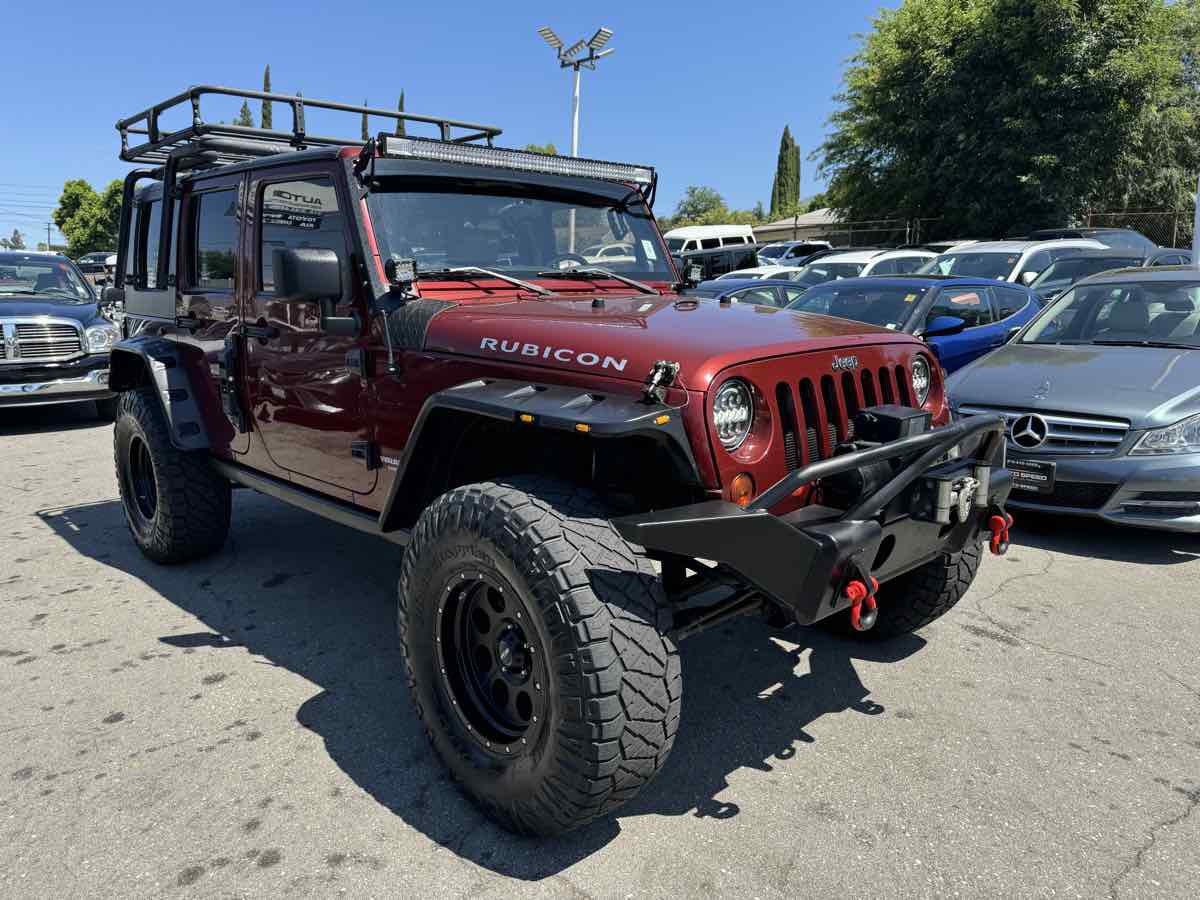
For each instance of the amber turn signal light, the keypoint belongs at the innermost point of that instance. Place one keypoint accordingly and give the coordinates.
(741, 489)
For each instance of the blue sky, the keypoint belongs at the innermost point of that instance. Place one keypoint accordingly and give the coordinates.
(701, 91)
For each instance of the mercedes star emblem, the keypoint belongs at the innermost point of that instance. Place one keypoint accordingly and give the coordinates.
(1029, 431)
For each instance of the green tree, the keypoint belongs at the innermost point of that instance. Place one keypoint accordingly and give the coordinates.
(75, 193)
(548, 149)
(88, 220)
(1001, 114)
(244, 116)
(17, 241)
(785, 188)
(400, 132)
(266, 104)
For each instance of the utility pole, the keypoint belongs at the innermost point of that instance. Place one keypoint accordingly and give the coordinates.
(566, 59)
(48, 224)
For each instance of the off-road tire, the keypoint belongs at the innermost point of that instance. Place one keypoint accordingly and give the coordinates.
(613, 688)
(108, 410)
(189, 516)
(918, 597)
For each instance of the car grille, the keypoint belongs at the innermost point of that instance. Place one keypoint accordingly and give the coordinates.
(1066, 434)
(1068, 494)
(39, 340)
(817, 415)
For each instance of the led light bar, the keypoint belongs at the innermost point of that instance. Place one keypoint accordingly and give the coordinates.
(519, 160)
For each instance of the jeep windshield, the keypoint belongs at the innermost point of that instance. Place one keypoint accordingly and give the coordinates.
(22, 276)
(521, 230)
(1136, 314)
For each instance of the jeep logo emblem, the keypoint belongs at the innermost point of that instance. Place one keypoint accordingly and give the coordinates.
(841, 363)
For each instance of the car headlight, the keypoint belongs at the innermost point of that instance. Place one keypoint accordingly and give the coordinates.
(920, 380)
(733, 413)
(1182, 437)
(100, 338)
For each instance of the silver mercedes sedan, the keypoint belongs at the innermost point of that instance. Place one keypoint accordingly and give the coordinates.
(1101, 393)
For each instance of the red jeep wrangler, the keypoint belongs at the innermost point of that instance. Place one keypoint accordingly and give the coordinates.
(581, 465)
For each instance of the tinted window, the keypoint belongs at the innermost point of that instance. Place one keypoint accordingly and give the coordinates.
(149, 222)
(886, 267)
(761, 296)
(299, 214)
(710, 243)
(906, 265)
(1009, 301)
(732, 240)
(772, 252)
(214, 237)
(969, 304)
(1038, 262)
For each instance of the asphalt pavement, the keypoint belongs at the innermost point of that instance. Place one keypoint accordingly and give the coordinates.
(240, 726)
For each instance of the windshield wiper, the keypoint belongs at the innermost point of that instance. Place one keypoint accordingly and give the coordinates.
(462, 270)
(587, 271)
(1148, 343)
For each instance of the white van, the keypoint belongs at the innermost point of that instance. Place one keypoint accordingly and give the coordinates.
(707, 237)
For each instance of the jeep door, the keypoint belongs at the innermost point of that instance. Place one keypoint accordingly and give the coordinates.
(306, 393)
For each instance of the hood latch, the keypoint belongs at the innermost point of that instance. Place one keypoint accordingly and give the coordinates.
(662, 375)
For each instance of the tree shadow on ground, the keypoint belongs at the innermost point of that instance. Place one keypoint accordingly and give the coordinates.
(1098, 539)
(319, 600)
(17, 420)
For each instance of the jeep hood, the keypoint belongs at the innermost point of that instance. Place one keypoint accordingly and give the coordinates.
(1149, 386)
(623, 337)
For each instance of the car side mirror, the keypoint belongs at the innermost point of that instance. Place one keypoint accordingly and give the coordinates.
(942, 326)
(306, 275)
(112, 295)
(1028, 278)
(1012, 333)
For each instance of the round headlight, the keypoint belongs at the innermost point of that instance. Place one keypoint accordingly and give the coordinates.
(100, 338)
(920, 380)
(733, 413)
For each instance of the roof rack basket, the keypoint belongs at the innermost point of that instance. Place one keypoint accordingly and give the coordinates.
(219, 143)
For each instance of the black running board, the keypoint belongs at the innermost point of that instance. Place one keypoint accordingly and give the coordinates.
(310, 501)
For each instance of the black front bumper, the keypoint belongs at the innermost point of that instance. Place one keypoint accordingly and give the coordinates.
(804, 559)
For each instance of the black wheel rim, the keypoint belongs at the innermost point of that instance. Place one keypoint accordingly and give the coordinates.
(143, 489)
(492, 662)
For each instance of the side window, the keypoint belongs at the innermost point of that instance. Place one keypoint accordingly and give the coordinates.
(791, 295)
(761, 296)
(149, 228)
(690, 245)
(710, 243)
(1009, 301)
(908, 264)
(969, 304)
(887, 267)
(299, 214)
(1036, 263)
(214, 235)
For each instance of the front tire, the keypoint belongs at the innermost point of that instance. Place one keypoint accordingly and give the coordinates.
(177, 507)
(919, 597)
(535, 643)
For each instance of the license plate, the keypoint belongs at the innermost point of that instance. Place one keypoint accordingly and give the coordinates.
(1031, 475)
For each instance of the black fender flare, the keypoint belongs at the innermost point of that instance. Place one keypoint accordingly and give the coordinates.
(548, 406)
(154, 360)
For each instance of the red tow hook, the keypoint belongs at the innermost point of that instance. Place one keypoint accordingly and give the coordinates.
(859, 595)
(999, 525)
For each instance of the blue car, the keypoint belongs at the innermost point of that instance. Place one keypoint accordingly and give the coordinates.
(960, 318)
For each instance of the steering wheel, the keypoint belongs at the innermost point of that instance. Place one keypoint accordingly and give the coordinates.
(568, 257)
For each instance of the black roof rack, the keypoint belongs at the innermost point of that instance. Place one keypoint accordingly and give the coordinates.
(219, 143)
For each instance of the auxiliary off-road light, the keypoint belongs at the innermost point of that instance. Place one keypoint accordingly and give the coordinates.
(920, 379)
(733, 413)
(519, 160)
(741, 489)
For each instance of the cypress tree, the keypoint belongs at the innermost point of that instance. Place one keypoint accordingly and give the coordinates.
(400, 122)
(785, 189)
(266, 104)
(244, 116)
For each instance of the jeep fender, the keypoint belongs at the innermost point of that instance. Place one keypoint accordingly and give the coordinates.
(541, 406)
(154, 360)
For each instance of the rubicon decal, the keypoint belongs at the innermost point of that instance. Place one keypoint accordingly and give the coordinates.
(558, 354)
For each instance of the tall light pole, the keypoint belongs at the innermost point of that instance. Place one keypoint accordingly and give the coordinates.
(569, 58)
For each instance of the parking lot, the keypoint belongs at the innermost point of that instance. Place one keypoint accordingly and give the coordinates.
(240, 726)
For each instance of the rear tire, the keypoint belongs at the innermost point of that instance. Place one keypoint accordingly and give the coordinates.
(177, 507)
(918, 597)
(535, 643)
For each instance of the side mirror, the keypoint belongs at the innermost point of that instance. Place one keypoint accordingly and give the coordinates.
(1028, 278)
(1012, 333)
(942, 326)
(112, 295)
(306, 275)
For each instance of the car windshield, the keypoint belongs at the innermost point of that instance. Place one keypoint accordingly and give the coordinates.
(883, 305)
(1063, 273)
(773, 252)
(523, 230)
(22, 276)
(1149, 313)
(972, 265)
(821, 272)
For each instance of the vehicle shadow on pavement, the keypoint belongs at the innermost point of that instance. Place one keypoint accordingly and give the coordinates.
(319, 600)
(56, 417)
(1102, 540)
